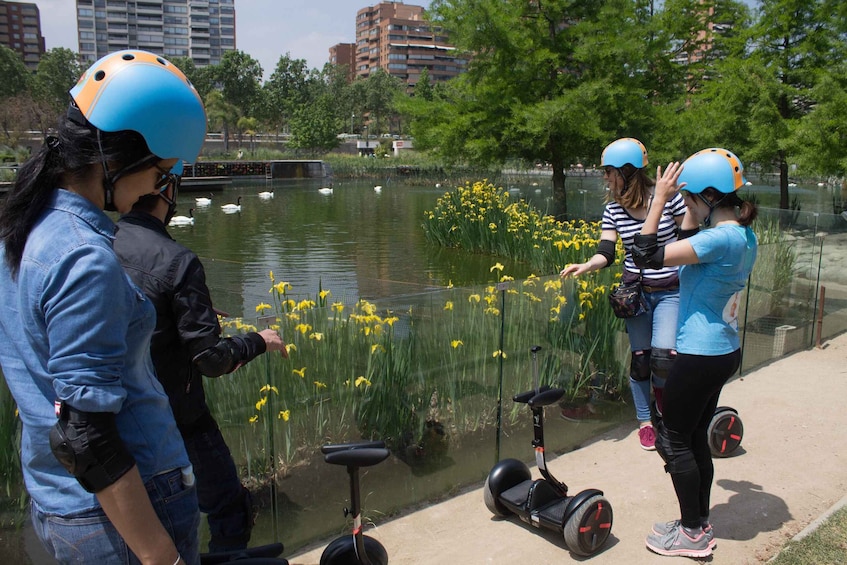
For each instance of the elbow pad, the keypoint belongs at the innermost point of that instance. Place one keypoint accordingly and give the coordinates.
(646, 252)
(685, 234)
(606, 248)
(89, 447)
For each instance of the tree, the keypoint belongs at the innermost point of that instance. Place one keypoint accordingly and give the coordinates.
(314, 128)
(58, 71)
(548, 80)
(797, 42)
(202, 78)
(380, 89)
(15, 78)
(249, 126)
(287, 90)
(240, 78)
(221, 114)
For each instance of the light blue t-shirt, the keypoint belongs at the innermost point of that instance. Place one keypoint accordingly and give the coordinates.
(710, 290)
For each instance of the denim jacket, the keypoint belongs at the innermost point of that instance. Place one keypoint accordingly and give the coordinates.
(74, 328)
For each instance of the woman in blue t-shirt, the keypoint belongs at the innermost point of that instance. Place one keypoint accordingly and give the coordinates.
(652, 335)
(714, 266)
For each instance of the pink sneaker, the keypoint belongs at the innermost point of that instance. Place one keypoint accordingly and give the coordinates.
(647, 437)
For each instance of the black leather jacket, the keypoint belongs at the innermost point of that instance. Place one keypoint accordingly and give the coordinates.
(187, 341)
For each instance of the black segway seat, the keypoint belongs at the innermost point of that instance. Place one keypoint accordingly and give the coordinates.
(361, 454)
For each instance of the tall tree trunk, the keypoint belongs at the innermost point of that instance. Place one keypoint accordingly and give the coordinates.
(560, 198)
(783, 181)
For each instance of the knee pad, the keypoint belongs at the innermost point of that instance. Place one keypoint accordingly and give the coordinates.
(639, 367)
(661, 361)
(673, 450)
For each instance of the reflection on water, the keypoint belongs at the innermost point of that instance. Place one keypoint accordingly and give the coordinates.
(356, 242)
(359, 242)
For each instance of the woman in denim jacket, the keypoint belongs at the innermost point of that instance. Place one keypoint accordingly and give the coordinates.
(652, 335)
(104, 464)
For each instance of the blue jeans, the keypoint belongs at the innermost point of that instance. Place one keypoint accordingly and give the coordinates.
(226, 503)
(655, 329)
(90, 537)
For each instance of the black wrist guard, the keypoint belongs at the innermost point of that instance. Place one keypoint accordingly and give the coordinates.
(646, 252)
(606, 248)
(88, 446)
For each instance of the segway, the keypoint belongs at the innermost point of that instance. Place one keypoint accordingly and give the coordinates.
(260, 555)
(725, 431)
(585, 519)
(357, 548)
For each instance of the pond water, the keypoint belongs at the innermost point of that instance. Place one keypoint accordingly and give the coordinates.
(360, 243)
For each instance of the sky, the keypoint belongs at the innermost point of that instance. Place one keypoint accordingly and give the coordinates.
(265, 29)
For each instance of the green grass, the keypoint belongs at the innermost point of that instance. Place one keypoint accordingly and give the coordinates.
(826, 545)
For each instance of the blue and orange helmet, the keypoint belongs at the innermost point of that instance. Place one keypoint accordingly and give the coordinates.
(626, 150)
(714, 168)
(143, 92)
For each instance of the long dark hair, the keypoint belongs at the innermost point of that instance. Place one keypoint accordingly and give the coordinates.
(70, 151)
(747, 211)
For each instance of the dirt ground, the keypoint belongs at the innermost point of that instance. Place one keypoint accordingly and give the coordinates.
(789, 470)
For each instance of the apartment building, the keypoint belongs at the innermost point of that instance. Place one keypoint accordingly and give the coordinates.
(20, 30)
(395, 37)
(200, 29)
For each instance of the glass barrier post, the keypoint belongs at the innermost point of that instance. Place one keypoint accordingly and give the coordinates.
(502, 286)
(267, 321)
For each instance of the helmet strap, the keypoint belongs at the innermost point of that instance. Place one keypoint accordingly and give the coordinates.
(708, 220)
(108, 184)
(170, 201)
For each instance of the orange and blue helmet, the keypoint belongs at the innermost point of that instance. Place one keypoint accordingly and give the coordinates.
(712, 168)
(143, 92)
(626, 150)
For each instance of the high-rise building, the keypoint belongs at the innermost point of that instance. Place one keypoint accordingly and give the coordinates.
(344, 54)
(20, 30)
(200, 29)
(395, 37)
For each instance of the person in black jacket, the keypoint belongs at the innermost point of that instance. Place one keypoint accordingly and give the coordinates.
(187, 344)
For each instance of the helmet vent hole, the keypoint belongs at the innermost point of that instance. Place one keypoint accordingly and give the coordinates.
(99, 75)
(161, 61)
(128, 57)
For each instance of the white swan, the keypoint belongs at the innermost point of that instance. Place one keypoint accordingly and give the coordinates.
(378, 188)
(203, 201)
(325, 190)
(183, 220)
(230, 208)
(748, 183)
(266, 195)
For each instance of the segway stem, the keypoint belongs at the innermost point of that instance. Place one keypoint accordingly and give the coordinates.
(356, 510)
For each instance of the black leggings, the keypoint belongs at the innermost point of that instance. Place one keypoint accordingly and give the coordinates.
(689, 402)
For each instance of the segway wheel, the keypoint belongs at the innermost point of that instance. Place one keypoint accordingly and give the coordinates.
(725, 432)
(342, 551)
(505, 474)
(589, 526)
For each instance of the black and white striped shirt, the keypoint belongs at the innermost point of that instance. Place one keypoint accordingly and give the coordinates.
(615, 217)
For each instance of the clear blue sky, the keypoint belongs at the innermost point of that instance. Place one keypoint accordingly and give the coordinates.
(265, 29)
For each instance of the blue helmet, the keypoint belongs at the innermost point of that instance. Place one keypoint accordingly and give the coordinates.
(712, 168)
(626, 150)
(140, 91)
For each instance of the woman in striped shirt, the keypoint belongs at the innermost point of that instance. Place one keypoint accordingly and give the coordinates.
(652, 335)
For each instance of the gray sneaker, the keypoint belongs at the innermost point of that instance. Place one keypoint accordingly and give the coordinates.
(662, 528)
(675, 542)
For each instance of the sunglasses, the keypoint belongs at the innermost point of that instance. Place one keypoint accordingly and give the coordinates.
(609, 170)
(165, 180)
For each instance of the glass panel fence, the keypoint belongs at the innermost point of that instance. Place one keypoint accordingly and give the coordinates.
(433, 374)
